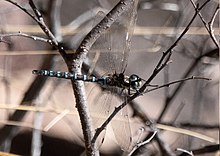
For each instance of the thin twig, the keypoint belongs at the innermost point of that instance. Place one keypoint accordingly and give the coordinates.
(167, 54)
(207, 149)
(36, 11)
(186, 74)
(167, 103)
(209, 27)
(35, 38)
(39, 19)
(177, 81)
(185, 151)
(138, 145)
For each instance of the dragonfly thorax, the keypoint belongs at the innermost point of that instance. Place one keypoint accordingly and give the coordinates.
(132, 83)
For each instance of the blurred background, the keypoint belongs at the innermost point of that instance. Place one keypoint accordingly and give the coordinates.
(40, 109)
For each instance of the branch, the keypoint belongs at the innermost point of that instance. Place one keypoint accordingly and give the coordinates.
(35, 38)
(209, 27)
(177, 81)
(40, 21)
(138, 145)
(167, 103)
(185, 151)
(167, 54)
(207, 149)
(187, 73)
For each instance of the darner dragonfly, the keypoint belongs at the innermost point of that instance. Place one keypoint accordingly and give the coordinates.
(113, 62)
(131, 83)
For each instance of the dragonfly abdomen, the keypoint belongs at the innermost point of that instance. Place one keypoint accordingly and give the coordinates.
(65, 75)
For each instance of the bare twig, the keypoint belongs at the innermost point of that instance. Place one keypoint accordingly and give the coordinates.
(207, 149)
(4, 41)
(167, 103)
(167, 54)
(35, 38)
(138, 145)
(177, 81)
(185, 151)
(209, 27)
(74, 61)
(39, 19)
(186, 74)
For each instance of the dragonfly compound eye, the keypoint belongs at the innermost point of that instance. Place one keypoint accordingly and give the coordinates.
(135, 81)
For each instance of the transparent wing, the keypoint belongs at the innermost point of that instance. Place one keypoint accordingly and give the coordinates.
(103, 104)
(114, 46)
(120, 124)
(99, 108)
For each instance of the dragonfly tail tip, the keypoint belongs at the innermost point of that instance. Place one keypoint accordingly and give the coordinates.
(35, 72)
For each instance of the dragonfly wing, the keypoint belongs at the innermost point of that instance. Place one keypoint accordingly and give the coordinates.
(121, 126)
(120, 38)
(114, 46)
(99, 108)
(103, 104)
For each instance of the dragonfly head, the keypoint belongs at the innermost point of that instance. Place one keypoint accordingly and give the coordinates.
(135, 81)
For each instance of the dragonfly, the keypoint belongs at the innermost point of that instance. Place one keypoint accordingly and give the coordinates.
(131, 83)
(115, 44)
